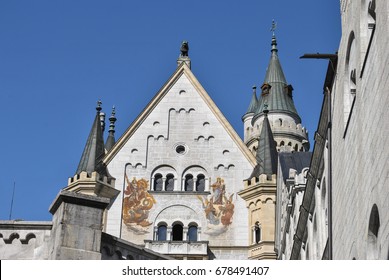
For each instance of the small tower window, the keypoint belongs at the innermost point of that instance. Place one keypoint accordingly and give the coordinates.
(257, 233)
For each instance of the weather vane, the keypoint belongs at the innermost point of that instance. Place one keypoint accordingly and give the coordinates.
(273, 26)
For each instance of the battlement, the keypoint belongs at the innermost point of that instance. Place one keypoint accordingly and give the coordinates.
(279, 127)
(262, 179)
(93, 184)
(93, 177)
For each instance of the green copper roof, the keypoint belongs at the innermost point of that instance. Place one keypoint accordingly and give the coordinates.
(279, 95)
(91, 159)
(267, 152)
(253, 103)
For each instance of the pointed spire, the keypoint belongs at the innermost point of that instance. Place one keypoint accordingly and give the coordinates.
(111, 132)
(267, 152)
(278, 95)
(254, 102)
(91, 159)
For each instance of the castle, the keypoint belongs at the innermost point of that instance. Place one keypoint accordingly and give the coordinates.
(181, 184)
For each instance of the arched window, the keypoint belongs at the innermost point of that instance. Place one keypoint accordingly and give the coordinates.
(158, 182)
(200, 183)
(350, 82)
(162, 232)
(177, 233)
(282, 143)
(374, 226)
(189, 183)
(257, 233)
(192, 233)
(367, 25)
(169, 182)
(296, 148)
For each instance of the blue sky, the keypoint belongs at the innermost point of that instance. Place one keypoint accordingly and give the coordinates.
(57, 58)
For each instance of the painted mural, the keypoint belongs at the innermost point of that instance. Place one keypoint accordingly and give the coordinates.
(218, 208)
(137, 203)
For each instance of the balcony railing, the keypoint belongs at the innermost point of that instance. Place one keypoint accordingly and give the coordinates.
(178, 247)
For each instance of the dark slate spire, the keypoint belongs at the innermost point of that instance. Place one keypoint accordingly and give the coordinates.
(275, 91)
(253, 103)
(91, 159)
(267, 152)
(111, 132)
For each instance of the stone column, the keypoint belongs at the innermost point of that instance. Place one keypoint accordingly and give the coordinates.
(152, 184)
(77, 226)
(185, 234)
(183, 184)
(206, 187)
(164, 184)
(169, 233)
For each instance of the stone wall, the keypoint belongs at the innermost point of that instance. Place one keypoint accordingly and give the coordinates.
(360, 128)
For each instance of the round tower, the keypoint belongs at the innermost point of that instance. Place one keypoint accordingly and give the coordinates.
(285, 122)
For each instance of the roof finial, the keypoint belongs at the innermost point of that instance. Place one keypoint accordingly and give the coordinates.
(112, 120)
(184, 49)
(273, 39)
(111, 136)
(273, 27)
(98, 107)
(184, 54)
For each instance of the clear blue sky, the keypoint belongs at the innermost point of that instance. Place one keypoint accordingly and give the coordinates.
(57, 58)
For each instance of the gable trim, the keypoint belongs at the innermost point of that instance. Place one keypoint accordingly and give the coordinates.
(183, 69)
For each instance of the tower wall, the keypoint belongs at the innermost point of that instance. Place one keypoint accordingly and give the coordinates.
(360, 129)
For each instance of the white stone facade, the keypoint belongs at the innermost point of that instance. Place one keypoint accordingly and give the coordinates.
(360, 127)
(182, 145)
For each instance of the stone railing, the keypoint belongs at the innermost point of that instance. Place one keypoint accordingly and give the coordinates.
(178, 247)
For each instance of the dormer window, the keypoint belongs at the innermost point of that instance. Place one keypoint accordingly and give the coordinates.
(265, 88)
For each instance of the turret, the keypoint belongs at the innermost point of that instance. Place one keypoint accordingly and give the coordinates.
(259, 194)
(248, 116)
(92, 176)
(288, 132)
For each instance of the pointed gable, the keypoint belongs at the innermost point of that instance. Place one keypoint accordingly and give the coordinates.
(182, 75)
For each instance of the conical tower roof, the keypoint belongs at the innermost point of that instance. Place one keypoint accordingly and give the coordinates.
(253, 103)
(267, 153)
(276, 92)
(91, 159)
